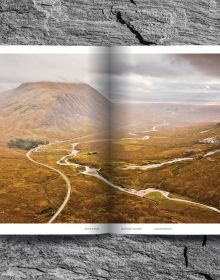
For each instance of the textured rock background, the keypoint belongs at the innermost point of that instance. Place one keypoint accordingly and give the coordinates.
(109, 257)
(110, 22)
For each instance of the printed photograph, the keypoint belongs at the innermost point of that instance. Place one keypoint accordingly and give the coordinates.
(120, 138)
(167, 156)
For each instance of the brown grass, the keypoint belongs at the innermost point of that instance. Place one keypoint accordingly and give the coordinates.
(30, 193)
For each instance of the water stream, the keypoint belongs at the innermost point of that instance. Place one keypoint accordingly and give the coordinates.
(94, 172)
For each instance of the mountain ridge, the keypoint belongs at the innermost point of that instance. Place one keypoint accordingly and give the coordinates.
(51, 106)
(57, 110)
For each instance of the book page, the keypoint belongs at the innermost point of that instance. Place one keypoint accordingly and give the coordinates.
(125, 143)
(165, 152)
(54, 118)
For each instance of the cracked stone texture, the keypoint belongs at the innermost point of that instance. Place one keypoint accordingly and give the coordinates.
(110, 22)
(109, 257)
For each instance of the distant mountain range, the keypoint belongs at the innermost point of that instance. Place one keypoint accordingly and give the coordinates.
(59, 110)
(173, 113)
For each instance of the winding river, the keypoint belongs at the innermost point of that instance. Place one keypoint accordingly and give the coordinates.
(146, 137)
(94, 172)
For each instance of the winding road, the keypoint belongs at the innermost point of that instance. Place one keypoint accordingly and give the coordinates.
(65, 178)
(88, 171)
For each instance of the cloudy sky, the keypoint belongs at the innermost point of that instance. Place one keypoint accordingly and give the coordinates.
(166, 77)
(81, 67)
(136, 77)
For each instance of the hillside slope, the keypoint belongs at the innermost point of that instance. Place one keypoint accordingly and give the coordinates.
(51, 109)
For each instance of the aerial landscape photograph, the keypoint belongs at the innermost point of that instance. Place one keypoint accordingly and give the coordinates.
(126, 138)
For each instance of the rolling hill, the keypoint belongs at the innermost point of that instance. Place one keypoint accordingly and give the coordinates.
(51, 109)
(58, 110)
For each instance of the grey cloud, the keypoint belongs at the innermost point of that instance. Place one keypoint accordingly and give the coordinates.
(207, 63)
(133, 76)
(155, 65)
(166, 77)
(21, 68)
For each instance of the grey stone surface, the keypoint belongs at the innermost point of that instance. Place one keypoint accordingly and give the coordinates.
(109, 257)
(110, 22)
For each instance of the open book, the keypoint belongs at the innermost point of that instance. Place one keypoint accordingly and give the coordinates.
(121, 140)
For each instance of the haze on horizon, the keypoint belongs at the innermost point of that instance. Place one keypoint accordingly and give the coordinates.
(166, 78)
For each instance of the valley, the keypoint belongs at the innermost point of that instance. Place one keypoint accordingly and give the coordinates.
(74, 163)
(134, 183)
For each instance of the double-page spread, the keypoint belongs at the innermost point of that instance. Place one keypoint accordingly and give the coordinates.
(110, 140)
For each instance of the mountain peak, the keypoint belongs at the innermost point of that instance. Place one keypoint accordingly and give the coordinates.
(53, 85)
(52, 106)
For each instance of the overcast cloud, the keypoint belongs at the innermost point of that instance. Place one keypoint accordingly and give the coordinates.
(139, 77)
(166, 77)
(73, 68)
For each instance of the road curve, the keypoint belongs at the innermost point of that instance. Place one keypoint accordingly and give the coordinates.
(65, 178)
(192, 202)
(68, 184)
(141, 193)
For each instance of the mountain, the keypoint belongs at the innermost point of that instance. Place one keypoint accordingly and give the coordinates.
(61, 110)
(49, 109)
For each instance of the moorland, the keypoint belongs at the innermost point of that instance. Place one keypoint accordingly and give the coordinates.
(65, 159)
